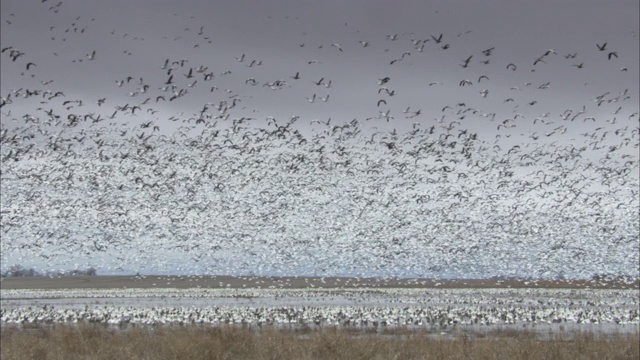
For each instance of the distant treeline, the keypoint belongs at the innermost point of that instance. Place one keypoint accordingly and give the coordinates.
(613, 277)
(19, 271)
(594, 277)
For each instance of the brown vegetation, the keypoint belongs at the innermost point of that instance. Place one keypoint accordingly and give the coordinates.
(99, 342)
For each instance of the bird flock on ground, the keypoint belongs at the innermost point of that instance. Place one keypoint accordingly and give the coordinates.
(465, 188)
(451, 310)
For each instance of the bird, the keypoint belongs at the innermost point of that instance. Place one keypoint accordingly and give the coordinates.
(488, 52)
(466, 62)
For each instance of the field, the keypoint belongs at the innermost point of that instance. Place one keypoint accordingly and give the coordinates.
(222, 317)
(99, 342)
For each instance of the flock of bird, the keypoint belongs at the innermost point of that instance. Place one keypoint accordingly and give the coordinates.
(470, 309)
(459, 189)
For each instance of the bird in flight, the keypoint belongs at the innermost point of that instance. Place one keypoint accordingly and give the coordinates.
(466, 62)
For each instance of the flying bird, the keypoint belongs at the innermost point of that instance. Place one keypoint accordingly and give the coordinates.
(466, 62)
(488, 51)
(540, 59)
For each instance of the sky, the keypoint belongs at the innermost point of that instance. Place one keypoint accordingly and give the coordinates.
(273, 31)
(528, 64)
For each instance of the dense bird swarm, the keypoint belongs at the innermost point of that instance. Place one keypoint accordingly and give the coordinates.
(122, 185)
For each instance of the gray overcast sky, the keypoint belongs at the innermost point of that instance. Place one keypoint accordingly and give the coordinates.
(246, 45)
(272, 31)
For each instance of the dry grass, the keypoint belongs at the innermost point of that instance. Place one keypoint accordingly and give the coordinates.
(98, 342)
